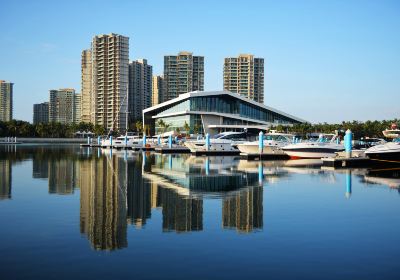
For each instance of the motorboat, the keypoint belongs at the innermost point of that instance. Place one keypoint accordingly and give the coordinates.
(392, 133)
(123, 141)
(325, 146)
(389, 151)
(367, 142)
(127, 142)
(273, 142)
(222, 142)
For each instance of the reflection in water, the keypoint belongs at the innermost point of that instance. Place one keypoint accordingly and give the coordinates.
(244, 211)
(62, 176)
(5, 179)
(139, 195)
(123, 188)
(348, 183)
(103, 203)
(389, 177)
(180, 214)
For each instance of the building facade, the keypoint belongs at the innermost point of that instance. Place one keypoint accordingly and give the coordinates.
(140, 89)
(183, 73)
(110, 59)
(41, 113)
(245, 75)
(157, 96)
(86, 85)
(6, 101)
(64, 106)
(213, 112)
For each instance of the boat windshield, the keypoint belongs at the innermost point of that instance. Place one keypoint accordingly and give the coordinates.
(396, 140)
(279, 138)
(230, 136)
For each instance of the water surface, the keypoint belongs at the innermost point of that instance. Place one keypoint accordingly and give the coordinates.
(67, 212)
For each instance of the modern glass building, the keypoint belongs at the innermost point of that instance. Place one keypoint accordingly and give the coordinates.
(212, 112)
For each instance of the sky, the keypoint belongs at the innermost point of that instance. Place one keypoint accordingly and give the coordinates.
(325, 61)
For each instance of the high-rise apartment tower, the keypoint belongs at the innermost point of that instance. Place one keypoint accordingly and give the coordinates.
(245, 75)
(183, 73)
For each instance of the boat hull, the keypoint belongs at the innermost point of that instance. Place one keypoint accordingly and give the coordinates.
(392, 156)
(310, 154)
(254, 149)
(200, 146)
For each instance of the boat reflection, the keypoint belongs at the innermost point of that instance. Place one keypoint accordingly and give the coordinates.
(388, 177)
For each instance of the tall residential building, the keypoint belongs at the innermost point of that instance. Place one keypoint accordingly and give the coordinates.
(6, 101)
(110, 59)
(157, 96)
(41, 113)
(78, 108)
(183, 73)
(245, 75)
(86, 84)
(64, 106)
(140, 88)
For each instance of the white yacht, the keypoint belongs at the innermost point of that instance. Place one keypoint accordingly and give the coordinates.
(324, 146)
(389, 151)
(222, 142)
(130, 142)
(273, 142)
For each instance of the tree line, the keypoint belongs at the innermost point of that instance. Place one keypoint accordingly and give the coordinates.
(46, 130)
(58, 130)
(359, 129)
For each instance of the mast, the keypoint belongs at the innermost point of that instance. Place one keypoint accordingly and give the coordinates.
(126, 109)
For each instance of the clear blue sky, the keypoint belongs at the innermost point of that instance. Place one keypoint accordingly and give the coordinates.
(324, 60)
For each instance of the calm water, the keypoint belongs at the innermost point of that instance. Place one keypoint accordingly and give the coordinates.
(67, 213)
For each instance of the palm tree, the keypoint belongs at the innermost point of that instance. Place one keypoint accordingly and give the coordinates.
(139, 126)
(161, 124)
(186, 127)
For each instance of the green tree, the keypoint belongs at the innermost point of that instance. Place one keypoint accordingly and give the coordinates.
(186, 127)
(139, 127)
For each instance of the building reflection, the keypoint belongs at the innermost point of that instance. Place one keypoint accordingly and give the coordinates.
(180, 214)
(103, 212)
(40, 169)
(139, 195)
(5, 179)
(62, 174)
(244, 211)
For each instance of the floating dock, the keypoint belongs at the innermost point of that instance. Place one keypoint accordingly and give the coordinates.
(342, 162)
(172, 150)
(263, 156)
(10, 143)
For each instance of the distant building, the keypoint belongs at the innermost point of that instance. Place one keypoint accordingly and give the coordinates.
(64, 106)
(214, 112)
(6, 101)
(78, 108)
(245, 75)
(157, 96)
(140, 88)
(183, 73)
(86, 85)
(41, 113)
(110, 59)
